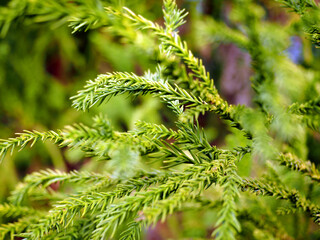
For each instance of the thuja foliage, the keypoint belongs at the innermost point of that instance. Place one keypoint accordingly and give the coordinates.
(153, 171)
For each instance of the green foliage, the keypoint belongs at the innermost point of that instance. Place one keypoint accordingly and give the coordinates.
(309, 11)
(149, 173)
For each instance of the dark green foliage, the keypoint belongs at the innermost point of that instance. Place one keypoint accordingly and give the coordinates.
(153, 171)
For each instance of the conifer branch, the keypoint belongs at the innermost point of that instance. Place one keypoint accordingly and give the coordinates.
(173, 43)
(189, 190)
(129, 198)
(80, 135)
(228, 224)
(13, 211)
(45, 178)
(161, 209)
(113, 84)
(12, 229)
(91, 202)
(308, 113)
(189, 114)
(309, 12)
(299, 6)
(173, 17)
(189, 137)
(76, 231)
(100, 141)
(294, 163)
(133, 231)
(80, 15)
(308, 108)
(312, 122)
(95, 141)
(197, 176)
(49, 176)
(25, 138)
(156, 131)
(173, 155)
(271, 189)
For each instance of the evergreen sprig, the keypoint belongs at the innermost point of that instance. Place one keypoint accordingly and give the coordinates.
(306, 167)
(12, 229)
(195, 178)
(228, 224)
(128, 194)
(45, 178)
(80, 14)
(173, 44)
(25, 138)
(13, 211)
(89, 202)
(309, 13)
(293, 196)
(106, 86)
(308, 108)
